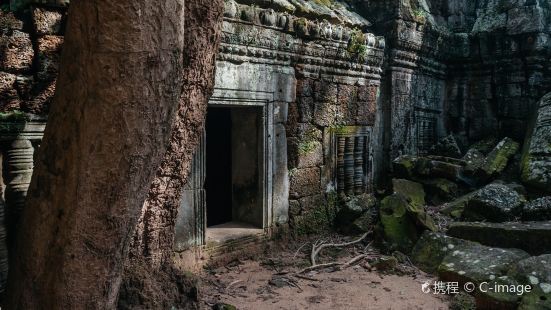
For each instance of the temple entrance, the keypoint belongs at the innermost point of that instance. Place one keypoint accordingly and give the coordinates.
(234, 170)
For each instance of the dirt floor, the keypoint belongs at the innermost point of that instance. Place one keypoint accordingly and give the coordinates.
(269, 281)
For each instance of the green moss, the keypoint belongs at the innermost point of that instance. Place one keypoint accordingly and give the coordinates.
(306, 147)
(399, 230)
(327, 3)
(13, 116)
(356, 45)
(319, 220)
(419, 15)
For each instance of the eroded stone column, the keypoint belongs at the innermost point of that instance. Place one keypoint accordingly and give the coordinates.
(18, 173)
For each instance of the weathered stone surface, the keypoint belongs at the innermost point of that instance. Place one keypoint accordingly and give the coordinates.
(9, 22)
(494, 203)
(497, 159)
(474, 159)
(537, 210)
(413, 191)
(446, 147)
(476, 263)
(304, 182)
(312, 202)
(536, 157)
(16, 52)
(535, 271)
(415, 196)
(431, 248)
(49, 53)
(353, 208)
(399, 228)
(441, 188)
(455, 208)
(9, 99)
(404, 165)
(532, 237)
(364, 223)
(47, 21)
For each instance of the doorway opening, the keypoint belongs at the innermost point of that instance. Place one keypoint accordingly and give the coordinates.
(234, 172)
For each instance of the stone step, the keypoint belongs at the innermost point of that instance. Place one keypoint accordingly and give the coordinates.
(532, 237)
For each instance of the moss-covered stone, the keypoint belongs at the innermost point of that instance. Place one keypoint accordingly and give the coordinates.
(399, 228)
(494, 203)
(440, 188)
(477, 264)
(404, 166)
(497, 159)
(413, 191)
(431, 249)
(455, 208)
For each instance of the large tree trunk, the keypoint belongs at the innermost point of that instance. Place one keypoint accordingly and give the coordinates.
(151, 253)
(155, 233)
(116, 98)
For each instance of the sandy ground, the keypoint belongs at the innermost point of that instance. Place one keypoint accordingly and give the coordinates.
(268, 283)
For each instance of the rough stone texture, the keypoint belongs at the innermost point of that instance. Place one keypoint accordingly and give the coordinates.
(497, 159)
(535, 271)
(399, 229)
(16, 53)
(536, 157)
(446, 147)
(9, 97)
(304, 182)
(48, 21)
(413, 191)
(431, 248)
(532, 237)
(476, 263)
(494, 203)
(455, 208)
(537, 210)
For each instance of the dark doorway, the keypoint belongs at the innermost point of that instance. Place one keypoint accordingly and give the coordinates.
(218, 183)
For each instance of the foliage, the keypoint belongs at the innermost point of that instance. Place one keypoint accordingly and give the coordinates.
(356, 44)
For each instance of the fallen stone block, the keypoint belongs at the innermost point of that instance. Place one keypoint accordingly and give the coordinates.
(537, 210)
(532, 237)
(431, 248)
(494, 203)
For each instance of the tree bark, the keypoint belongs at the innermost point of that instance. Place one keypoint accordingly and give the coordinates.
(155, 233)
(151, 280)
(119, 85)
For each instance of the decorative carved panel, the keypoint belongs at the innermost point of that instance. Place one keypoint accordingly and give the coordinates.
(353, 159)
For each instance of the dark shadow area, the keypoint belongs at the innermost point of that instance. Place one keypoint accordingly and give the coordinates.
(218, 183)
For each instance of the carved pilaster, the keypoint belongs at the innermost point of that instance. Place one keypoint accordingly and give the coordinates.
(18, 173)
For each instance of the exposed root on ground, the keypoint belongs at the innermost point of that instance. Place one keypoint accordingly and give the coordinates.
(318, 246)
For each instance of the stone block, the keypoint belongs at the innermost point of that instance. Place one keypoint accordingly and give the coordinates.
(49, 54)
(309, 203)
(431, 248)
(47, 21)
(16, 52)
(536, 156)
(494, 203)
(537, 210)
(532, 237)
(305, 108)
(304, 182)
(9, 99)
(477, 264)
(399, 229)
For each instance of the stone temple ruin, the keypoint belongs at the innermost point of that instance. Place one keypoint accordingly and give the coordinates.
(344, 114)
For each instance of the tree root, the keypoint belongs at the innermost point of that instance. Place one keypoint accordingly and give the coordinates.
(317, 247)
